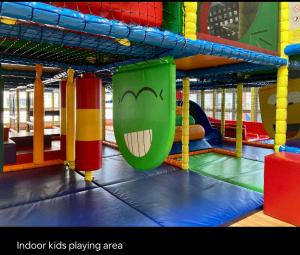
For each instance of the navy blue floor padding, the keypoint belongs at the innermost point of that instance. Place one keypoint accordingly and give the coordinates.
(195, 145)
(95, 207)
(109, 152)
(116, 169)
(184, 198)
(249, 152)
(33, 185)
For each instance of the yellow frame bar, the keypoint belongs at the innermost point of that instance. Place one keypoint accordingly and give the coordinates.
(282, 79)
(185, 123)
(239, 121)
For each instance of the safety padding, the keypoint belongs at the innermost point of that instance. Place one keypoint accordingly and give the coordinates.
(89, 208)
(249, 152)
(195, 145)
(196, 132)
(185, 198)
(42, 183)
(239, 171)
(282, 187)
(117, 170)
(109, 152)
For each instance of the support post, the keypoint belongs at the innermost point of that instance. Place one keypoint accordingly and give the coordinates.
(223, 112)
(27, 110)
(18, 110)
(53, 107)
(70, 124)
(214, 104)
(203, 100)
(185, 123)
(1, 124)
(252, 105)
(282, 79)
(239, 122)
(103, 112)
(38, 115)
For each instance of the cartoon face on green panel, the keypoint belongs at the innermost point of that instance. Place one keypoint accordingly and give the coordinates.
(144, 107)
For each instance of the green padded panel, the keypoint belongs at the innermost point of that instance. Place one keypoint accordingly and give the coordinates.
(239, 171)
(253, 180)
(144, 110)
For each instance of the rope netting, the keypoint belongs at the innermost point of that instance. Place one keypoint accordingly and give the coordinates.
(138, 13)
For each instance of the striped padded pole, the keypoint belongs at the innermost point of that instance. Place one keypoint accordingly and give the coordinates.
(88, 125)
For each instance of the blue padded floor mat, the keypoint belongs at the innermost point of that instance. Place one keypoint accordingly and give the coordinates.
(188, 199)
(109, 152)
(249, 152)
(116, 170)
(33, 185)
(95, 207)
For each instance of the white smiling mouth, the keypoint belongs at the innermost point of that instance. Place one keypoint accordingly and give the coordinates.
(139, 142)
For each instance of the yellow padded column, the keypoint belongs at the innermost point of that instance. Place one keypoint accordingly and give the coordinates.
(185, 123)
(70, 124)
(38, 117)
(223, 112)
(282, 79)
(239, 121)
(190, 20)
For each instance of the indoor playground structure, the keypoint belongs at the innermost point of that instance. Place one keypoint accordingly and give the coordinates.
(149, 113)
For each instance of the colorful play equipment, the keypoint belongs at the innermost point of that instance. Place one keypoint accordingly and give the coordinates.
(145, 133)
(153, 57)
(268, 107)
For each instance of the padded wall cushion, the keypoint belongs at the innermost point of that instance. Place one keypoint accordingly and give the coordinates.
(188, 199)
(95, 207)
(41, 183)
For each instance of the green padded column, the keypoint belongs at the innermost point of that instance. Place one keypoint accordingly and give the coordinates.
(1, 123)
(173, 17)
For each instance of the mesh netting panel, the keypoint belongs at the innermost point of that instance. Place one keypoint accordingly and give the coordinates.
(139, 13)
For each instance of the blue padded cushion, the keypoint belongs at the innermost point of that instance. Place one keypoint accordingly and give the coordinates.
(249, 152)
(95, 207)
(194, 145)
(109, 152)
(116, 169)
(33, 185)
(185, 198)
